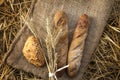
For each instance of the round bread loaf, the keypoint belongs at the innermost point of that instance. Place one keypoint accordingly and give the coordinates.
(33, 52)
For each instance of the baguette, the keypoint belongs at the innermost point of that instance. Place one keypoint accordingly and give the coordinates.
(60, 22)
(77, 45)
(33, 52)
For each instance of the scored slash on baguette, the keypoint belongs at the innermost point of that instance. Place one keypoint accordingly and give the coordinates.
(60, 23)
(77, 45)
(33, 52)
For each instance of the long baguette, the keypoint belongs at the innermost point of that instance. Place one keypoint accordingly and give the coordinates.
(77, 45)
(60, 22)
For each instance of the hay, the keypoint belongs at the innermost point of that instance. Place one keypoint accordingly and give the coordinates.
(105, 62)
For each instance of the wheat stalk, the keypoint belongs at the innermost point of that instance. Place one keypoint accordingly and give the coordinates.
(48, 45)
(51, 41)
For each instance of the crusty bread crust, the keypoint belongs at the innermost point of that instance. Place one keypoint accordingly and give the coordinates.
(77, 45)
(33, 52)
